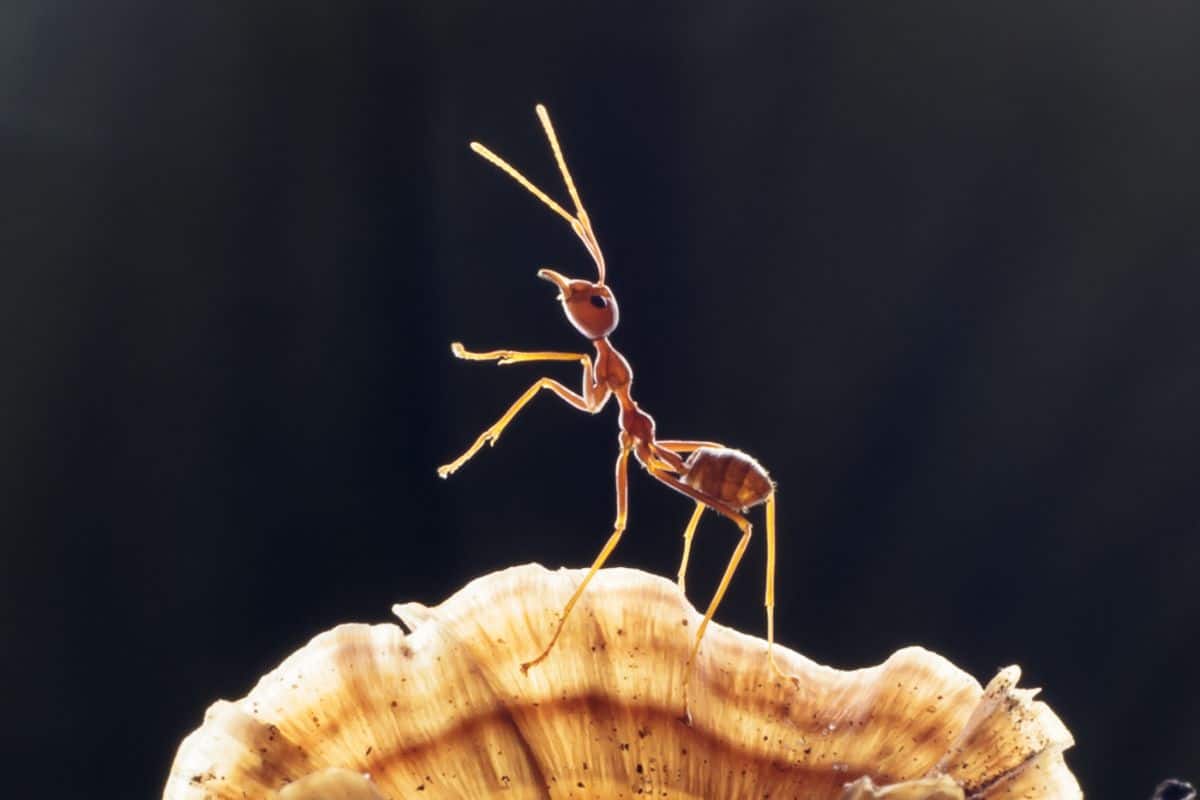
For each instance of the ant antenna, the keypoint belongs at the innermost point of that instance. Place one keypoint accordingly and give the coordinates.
(581, 224)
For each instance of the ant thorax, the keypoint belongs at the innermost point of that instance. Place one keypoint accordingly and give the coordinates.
(612, 369)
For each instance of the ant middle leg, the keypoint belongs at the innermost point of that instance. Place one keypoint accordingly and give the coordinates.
(622, 479)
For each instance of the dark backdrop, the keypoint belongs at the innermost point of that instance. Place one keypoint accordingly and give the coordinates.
(935, 264)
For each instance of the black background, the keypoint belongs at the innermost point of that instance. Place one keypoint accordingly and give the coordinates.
(934, 264)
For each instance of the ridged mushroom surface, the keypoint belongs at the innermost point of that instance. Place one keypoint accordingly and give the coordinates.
(365, 712)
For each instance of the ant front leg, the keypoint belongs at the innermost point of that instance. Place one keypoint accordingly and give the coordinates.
(591, 401)
(594, 395)
(490, 435)
(506, 357)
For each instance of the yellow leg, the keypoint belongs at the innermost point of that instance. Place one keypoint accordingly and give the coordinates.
(667, 452)
(505, 357)
(770, 597)
(744, 524)
(682, 446)
(687, 542)
(622, 478)
(738, 551)
(490, 435)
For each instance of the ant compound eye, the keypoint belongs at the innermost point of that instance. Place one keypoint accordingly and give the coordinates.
(598, 301)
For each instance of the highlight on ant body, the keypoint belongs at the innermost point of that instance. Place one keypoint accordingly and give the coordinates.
(714, 476)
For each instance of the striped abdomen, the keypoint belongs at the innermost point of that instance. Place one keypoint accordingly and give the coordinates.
(728, 475)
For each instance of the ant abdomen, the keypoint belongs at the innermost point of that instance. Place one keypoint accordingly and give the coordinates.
(728, 475)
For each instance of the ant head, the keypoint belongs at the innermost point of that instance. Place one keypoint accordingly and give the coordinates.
(591, 307)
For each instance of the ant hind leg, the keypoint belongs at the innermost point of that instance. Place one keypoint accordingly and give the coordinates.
(687, 446)
(731, 568)
(687, 542)
(769, 600)
(744, 525)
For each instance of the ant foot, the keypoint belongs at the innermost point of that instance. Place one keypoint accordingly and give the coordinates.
(525, 666)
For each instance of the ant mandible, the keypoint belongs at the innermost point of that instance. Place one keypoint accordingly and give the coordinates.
(726, 480)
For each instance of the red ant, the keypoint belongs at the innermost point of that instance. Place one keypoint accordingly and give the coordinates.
(717, 477)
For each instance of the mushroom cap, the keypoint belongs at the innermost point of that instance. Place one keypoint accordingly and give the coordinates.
(364, 712)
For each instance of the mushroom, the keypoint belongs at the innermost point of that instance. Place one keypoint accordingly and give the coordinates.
(365, 712)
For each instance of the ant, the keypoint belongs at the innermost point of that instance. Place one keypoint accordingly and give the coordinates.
(715, 476)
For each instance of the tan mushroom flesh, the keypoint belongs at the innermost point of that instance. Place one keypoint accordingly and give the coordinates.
(365, 712)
